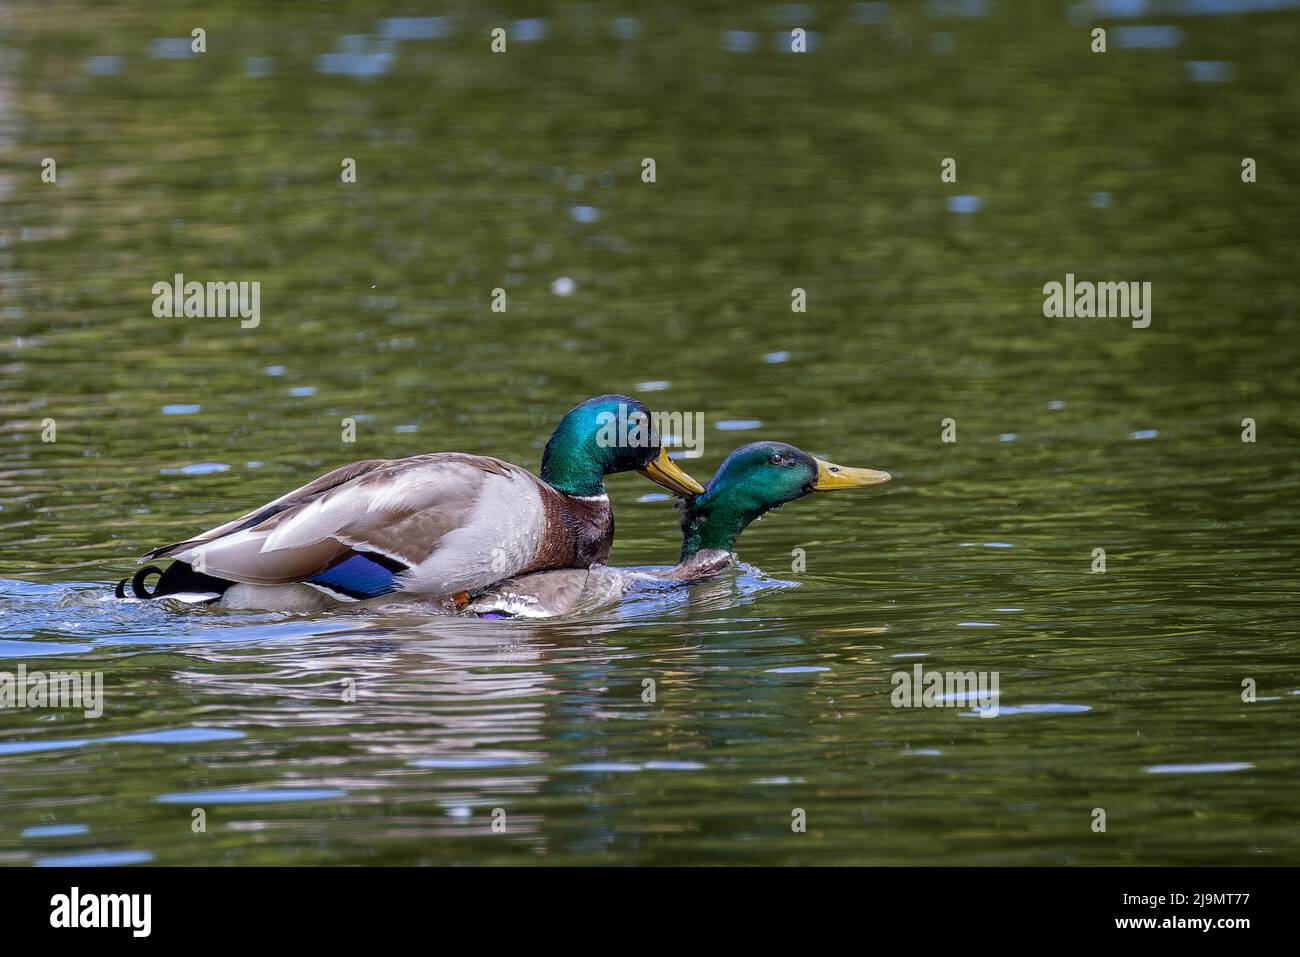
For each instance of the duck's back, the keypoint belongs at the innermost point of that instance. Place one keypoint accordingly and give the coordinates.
(434, 524)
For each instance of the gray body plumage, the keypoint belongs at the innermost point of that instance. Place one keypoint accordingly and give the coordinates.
(458, 522)
(569, 591)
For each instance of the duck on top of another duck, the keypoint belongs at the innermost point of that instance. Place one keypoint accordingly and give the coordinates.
(752, 480)
(444, 525)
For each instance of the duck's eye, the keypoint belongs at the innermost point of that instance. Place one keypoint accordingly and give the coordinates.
(777, 458)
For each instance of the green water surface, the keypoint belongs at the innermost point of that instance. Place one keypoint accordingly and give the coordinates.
(1120, 690)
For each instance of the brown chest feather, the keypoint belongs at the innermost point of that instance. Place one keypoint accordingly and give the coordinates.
(578, 533)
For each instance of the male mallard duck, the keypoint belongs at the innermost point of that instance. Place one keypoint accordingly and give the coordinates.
(753, 479)
(442, 525)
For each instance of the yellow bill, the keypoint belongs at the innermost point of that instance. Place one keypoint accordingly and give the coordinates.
(665, 472)
(842, 476)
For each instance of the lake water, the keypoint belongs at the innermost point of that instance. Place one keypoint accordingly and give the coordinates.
(1119, 690)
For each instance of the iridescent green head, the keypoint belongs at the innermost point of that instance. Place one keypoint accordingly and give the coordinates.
(754, 479)
(604, 435)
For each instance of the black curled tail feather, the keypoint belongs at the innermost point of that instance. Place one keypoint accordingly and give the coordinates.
(138, 581)
(178, 577)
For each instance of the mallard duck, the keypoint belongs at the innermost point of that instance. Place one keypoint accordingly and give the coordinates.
(752, 480)
(444, 525)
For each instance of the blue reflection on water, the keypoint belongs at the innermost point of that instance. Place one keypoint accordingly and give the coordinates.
(96, 859)
(250, 796)
(1186, 8)
(55, 830)
(1208, 71)
(105, 65)
(414, 28)
(871, 12)
(1148, 37)
(1013, 709)
(31, 649)
(473, 762)
(172, 736)
(528, 31)
(171, 48)
(357, 55)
